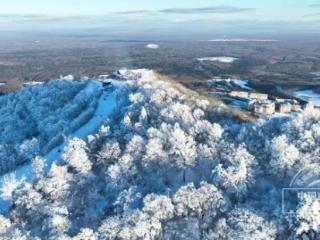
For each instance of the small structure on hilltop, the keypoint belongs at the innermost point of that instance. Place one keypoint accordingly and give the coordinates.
(106, 81)
(121, 74)
(104, 76)
(125, 74)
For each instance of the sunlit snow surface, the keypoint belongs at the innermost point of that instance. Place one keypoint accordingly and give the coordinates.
(152, 46)
(309, 95)
(106, 105)
(222, 59)
(316, 76)
(239, 82)
(241, 40)
(242, 83)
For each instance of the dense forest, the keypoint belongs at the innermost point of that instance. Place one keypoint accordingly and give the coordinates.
(164, 165)
(34, 119)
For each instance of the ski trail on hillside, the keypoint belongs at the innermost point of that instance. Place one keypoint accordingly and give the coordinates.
(106, 105)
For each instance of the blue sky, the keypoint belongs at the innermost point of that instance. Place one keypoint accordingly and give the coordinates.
(46, 14)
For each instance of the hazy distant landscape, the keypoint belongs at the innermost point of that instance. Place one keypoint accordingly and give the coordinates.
(288, 63)
(160, 120)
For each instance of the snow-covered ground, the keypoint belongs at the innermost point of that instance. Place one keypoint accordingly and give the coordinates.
(242, 83)
(309, 94)
(241, 40)
(152, 46)
(106, 105)
(33, 83)
(316, 76)
(222, 59)
(67, 78)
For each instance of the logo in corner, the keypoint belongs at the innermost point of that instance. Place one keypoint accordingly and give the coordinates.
(305, 184)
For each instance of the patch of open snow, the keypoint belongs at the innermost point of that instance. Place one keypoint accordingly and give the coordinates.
(309, 95)
(141, 71)
(241, 40)
(33, 83)
(242, 83)
(67, 78)
(152, 46)
(221, 59)
(107, 103)
(316, 76)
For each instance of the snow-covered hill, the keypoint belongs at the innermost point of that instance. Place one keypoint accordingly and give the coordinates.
(34, 119)
(86, 124)
(167, 165)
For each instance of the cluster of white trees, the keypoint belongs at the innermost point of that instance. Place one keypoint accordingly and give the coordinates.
(163, 168)
(34, 119)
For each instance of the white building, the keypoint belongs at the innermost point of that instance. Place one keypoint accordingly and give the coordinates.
(264, 107)
(240, 94)
(285, 107)
(308, 106)
(259, 96)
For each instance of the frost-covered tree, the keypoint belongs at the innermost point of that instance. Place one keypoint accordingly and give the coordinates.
(182, 148)
(9, 230)
(158, 207)
(10, 184)
(57, 182)
(284, 157)
(202, 206)
(76, 155)
(38, 165)
(34, 119)
(235, 172)
(109, 153)
(86, 234)
(243, 224)
(306, 222)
